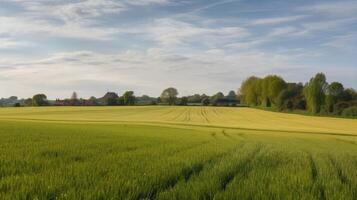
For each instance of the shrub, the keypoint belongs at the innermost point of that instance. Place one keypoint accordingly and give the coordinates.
(339, 107)
(350, 112)
(17, 105)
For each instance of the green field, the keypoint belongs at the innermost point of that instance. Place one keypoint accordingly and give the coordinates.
(174, 153)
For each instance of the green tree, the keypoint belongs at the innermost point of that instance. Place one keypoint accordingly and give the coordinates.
(350, 112)
(205, 101)
(349, 95)
(39, 100)
(196, 98)
(334, 94)
(110, 99)
(314, 92)
(28, 102)
(250, 91)
(129, 98)
(74, 99)
(169, 96)
(232, 96)
(183, 101)
(291, 97)
(216, 98)
(271, 87)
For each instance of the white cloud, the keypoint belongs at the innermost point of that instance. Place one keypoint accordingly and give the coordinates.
(277, 20)
(284, 31)
(77, 19)
(21, 25)
(333, 8)
(173, 32)
(7, 43)
(343, 42)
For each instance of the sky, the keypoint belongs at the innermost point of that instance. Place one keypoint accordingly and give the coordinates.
(198, 46)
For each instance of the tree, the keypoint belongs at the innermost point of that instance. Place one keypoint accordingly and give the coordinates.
(291, 97)
(110, 99)
(250, 90)
(129, 98)
(39, 100)
(232, 96)
(271, 86)
(17, 105)
(216, 98)
(334, 94)
(350, 112)
(205, 101)
(74, 99)
(74, 96)
(349, 95)
(314, 92)
(169, 96)
(28, 102)
(183, 101)
(196, 98)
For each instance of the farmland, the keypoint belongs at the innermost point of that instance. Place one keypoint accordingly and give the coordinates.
(174, 153)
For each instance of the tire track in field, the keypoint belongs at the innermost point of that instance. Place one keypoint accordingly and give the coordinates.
(161, 123)
(170, 110)
(185, 175)
(188, 115)
(338, 170)
(178, 115)
(315, 177)
(204, 115)
(242, 169)
(215, 112)
(343, 178)
(225, 134)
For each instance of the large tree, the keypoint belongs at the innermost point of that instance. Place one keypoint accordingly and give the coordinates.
(314, 92)
(291, 97)
(110, 99)
(169, 95)
(129, 98)
(271, 87)
(250, 91)
(334, 94)
(39, 100)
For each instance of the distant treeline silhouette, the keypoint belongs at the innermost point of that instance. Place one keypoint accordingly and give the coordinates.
(316, 97)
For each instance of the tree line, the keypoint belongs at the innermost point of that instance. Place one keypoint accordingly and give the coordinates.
(168, 96)
(316, 96)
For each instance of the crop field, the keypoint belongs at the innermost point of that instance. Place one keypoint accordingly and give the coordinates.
(174, 153)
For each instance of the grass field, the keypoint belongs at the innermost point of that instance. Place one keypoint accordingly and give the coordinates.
(174, 153)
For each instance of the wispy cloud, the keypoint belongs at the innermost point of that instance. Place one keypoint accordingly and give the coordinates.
(7, 43)
(22, 25)
(171, 32)
(77, 19)
(334, 7)
(277, 20)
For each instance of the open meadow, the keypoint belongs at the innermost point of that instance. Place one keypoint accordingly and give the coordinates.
(168, 152)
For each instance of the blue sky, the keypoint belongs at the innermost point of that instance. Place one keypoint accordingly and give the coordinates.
(202, 46)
